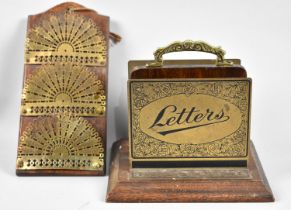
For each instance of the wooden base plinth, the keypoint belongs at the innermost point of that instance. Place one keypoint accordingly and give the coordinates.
(134, 185)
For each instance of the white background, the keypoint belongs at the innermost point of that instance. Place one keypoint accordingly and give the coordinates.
(258, 32)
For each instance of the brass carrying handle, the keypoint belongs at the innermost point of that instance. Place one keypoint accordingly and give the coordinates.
(189, 45)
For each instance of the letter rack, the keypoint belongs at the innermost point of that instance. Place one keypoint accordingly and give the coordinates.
(192, 113)
(189, 133)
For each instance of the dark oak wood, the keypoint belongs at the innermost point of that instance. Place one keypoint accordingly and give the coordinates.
(99, 123)
(124, 188)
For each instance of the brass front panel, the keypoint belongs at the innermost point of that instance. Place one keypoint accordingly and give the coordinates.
(66, 37)
(63, 87)
(60, 142)
(191, 119)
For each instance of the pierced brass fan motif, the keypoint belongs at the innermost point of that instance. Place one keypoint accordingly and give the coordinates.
(66, 37)
(63, 87)
(60, 142)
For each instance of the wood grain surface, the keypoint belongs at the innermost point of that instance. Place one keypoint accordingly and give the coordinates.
(123, 187)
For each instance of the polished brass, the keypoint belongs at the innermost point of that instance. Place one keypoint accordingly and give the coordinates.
(66, 37)
(60, 142)
(178, 130)
(63, 87)
(189, 119)
(189, 45)
(189, 173)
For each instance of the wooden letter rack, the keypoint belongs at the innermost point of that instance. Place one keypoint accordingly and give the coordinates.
(188, 133)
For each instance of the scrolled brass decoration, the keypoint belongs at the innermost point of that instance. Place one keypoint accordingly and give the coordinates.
(189, 45)
(66, 37)
(60, 142)
(170, 119)
(61, 87)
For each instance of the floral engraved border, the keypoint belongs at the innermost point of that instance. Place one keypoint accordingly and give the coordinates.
(236, 92)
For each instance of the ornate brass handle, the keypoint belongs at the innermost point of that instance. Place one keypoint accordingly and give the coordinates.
(189, 45)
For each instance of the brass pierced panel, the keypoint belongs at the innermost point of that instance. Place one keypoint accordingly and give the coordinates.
(60, 142)
(62, 87)
(66, 37)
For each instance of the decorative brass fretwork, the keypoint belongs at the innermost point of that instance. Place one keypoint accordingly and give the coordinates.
(63, 87)
(60, 142)
(66, 37)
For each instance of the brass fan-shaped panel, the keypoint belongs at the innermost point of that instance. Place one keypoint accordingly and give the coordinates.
(60, 87)
(66, 37)
(60, 142)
